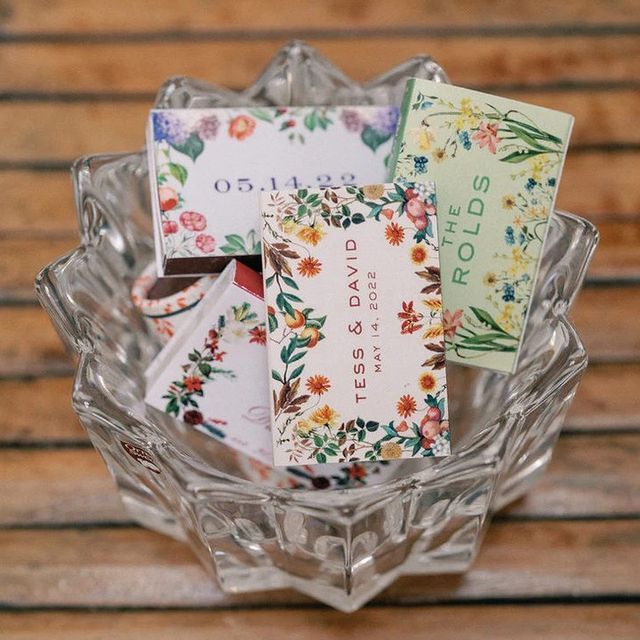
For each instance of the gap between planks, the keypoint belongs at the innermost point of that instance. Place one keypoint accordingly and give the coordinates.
(132, 568)
(462, 622)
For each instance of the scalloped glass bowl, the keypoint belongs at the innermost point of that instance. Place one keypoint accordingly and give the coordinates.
(339, 546)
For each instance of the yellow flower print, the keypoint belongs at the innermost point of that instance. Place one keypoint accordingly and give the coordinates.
(517, 222)
(508, 202)
(518, 262)
(311, 234)
(373, 191)
(390, 451)
(538, 166)
(505, 319)
(424, 138)
(288, 226)
(467, 118)
(439, 155)
(490, 279)
(303, 427)
(324, 415)
(540, 213)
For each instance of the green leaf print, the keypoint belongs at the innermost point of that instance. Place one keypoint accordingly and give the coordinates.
(192, 146)
(178, 172)
(372, 138)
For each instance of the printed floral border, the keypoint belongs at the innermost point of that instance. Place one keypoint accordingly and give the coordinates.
(294, 224)
(447, 129)
(179, 142)
(239, 324)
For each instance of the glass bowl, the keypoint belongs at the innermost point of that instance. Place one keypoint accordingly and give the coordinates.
(340, 546)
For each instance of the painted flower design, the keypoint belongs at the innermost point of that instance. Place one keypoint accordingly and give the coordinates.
(312, 234)
(487, 136)
(452, 322)
(406, 406)
(241, 127)
(411, 319)
(169, 227)
(390, 451)
(324, 416)
(258, 335)
(193, 221)
(394, 234)
(318, 385)
(205, 242)
(309, 267)
(168, 198)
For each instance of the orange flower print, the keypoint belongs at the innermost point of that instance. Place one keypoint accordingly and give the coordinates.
(427, 382)
(394, 234)
(309, 267)
(410, 318)
(258, 335)
(241, 127)
(192, 383)
(418, 254)
(324, 415)
(311, 235)
(406, 406)
(318, 384)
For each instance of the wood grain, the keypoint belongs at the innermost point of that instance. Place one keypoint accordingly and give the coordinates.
(465, 622)
(136, 568)
(617, 257)
(598, 185)
(590, 475)
(607, 400)
(24, 17)
(469, 60)
(29, 345)
(60, 134)
(49, 418)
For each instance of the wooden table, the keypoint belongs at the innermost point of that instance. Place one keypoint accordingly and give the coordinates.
(79, 77)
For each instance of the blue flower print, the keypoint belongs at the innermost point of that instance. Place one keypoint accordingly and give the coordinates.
(168, 127)
(509, 236)
(551, 182)
(522, 238)
(420, 164)
(530, 184)
(386, 120)
(508, 292)
(426, 104)
(465, 140)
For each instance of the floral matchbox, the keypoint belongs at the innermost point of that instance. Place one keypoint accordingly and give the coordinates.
(355, 336)
(496, 163)
(207, 167)
(212, 373)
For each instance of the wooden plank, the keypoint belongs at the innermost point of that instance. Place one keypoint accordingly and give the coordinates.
(138, 568)
(25, 17)
(50, 417)
(607, 321)
(595, 185)
(462, 622)
(469, 60)
(23, 254)
(56, 486)
(618, 253)
(590, 475)
(41, 131)
(29, 345)
(615, 307)
(607, 400)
